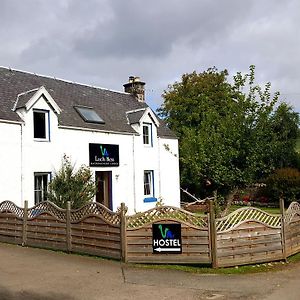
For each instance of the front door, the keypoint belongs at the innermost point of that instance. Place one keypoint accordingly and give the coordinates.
(103, 184)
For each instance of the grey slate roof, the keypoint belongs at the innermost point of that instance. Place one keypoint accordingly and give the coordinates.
(111, 106)
(23, 98)
(135, 116)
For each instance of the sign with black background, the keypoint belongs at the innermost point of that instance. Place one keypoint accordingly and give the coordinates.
(166, 238)
(104, 155)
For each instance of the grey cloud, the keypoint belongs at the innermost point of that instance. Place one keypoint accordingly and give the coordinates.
(140, 29)
(102, 42)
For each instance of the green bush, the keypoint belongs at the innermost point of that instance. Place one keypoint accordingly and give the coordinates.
(284, 183)
(77, 187)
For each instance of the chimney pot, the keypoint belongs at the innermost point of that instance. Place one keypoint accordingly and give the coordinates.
(135, 87)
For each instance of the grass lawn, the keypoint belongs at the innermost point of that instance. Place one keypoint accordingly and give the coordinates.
(269, 210)
(204, 269)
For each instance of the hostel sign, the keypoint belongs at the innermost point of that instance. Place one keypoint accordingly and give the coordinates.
(104, 155)
(166, 238)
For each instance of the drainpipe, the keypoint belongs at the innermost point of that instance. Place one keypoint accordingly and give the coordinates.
(133, 166)
(159, 168)
(21, 164)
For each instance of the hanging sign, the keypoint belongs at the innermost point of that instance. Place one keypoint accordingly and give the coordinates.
(166, 238)
(104, 155)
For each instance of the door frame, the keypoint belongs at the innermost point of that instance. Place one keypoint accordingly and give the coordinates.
(106, 176)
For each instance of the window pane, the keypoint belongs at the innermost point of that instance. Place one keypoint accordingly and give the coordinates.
(146, 135)
(39, 124)
(147, 183)
(40, 187)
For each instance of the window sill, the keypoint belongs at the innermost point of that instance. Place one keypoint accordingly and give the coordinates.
(41, 140)
(150, 199)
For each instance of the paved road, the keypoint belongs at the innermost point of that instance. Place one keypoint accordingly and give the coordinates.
(31, 274)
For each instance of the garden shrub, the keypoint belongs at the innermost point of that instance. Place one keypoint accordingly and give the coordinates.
(284, 183)
(68, 184)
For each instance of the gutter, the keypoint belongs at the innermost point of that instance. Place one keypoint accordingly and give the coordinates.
(96, 130)
(11, 122)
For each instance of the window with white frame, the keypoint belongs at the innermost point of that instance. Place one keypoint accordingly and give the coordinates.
(41, 181)
(148, 184)
(147, 134)
(41, 125)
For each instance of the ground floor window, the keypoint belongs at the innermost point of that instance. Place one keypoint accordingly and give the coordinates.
(148, 184)
(41, 181)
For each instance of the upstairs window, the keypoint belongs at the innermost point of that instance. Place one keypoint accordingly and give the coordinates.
(147, 134)
(89, 115)
(41, 124)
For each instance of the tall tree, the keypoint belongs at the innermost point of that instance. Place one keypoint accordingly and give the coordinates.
(226, 131)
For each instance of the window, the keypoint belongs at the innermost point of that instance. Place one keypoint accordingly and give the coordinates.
(147, 134)
(41, 181)
(148, 184)
(89, 115)
(41, 124)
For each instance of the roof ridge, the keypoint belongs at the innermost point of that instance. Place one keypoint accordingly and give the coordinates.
(65, 80)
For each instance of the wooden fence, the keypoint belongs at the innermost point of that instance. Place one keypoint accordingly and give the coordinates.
(246, 236)
(92, 229)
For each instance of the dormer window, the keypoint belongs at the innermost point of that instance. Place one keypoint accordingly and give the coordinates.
(41, 125)
(89, 115)
(147, 134)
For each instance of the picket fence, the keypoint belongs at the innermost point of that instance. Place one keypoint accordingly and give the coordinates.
(246, 236)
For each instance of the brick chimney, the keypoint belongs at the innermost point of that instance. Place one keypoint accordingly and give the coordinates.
(135, 87)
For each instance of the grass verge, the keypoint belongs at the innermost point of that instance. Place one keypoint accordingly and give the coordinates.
(238, 270)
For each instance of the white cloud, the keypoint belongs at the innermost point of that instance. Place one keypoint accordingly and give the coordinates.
(102, 42)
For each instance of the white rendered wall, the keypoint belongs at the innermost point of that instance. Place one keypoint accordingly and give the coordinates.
(10, 163)
(127, 178)
(163, 163)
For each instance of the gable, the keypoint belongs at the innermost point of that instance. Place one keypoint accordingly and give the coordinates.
(28, 99)
(142, 115)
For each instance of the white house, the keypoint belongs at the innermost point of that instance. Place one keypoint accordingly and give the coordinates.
(132, 153)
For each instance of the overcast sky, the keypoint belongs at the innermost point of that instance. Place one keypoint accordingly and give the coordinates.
(102, 42)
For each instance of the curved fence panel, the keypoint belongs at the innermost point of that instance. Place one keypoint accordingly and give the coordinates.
(248, 235)
(96, 230)
(95, 209)
(166, 213)
(48, 208)
(243, 215)
(292, 213)
(292, 229)
(10, 207)
(11, 222)
(195, 240)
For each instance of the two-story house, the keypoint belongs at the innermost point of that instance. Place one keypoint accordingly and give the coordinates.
(132, 153)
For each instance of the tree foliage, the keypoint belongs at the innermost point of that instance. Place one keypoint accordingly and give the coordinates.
(230, 134)
(68, 184)
(284, 183)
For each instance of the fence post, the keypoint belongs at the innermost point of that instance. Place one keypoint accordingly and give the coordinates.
(213, 234)
(25, 219)
(68, 227)
(123, 238)
(283, 227)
